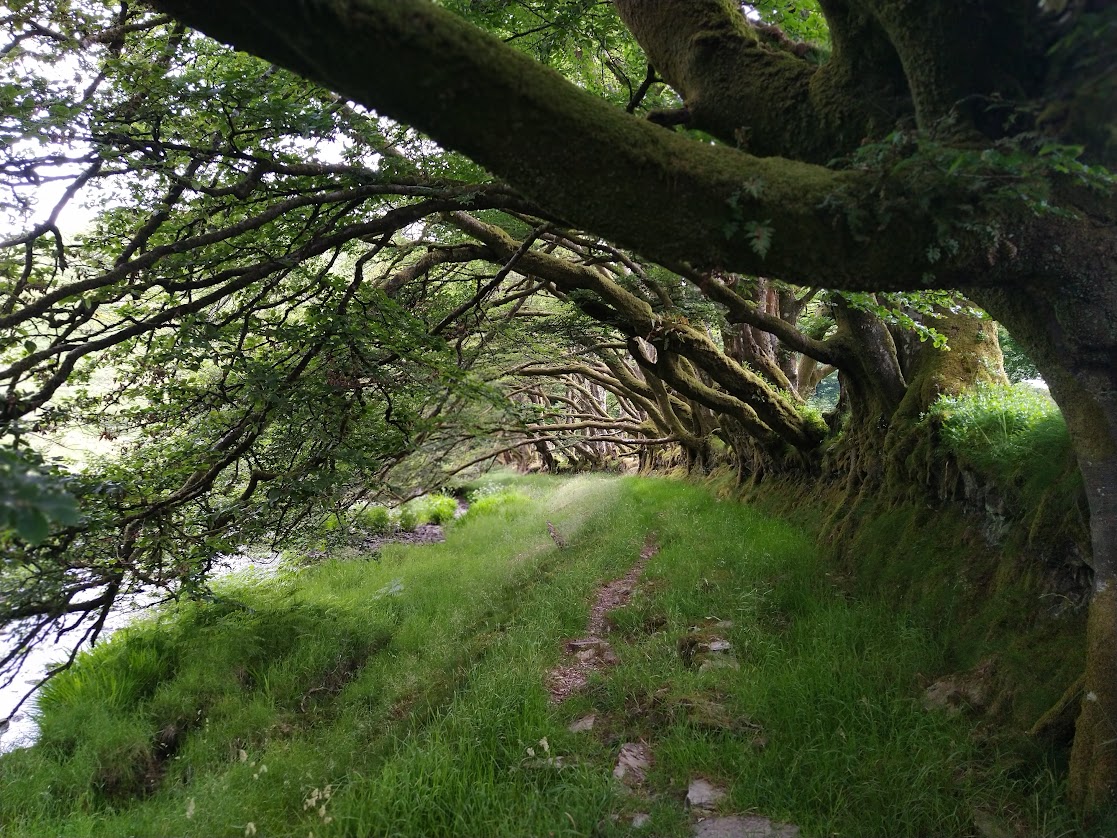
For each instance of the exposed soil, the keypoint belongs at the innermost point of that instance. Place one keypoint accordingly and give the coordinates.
(592, 652)
(423, 534)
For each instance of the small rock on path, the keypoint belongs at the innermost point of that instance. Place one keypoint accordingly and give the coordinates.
(633, 762)
(583, 724)
(703, 794)
(744, 826)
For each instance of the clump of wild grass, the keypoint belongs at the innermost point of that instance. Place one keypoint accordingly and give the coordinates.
(487, 499)
(374, 519)
(1015, 434)
(999, 424)
(427, 509)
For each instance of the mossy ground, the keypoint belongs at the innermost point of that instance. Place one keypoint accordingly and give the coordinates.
(401, 697)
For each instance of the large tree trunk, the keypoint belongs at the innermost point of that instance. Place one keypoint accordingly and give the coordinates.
(1072, 338)
(1093, 767)
(872, 388)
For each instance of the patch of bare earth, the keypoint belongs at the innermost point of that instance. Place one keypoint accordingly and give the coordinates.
(592, 653)
(422, 534)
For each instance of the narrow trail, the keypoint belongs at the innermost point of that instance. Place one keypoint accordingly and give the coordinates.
(591, 652)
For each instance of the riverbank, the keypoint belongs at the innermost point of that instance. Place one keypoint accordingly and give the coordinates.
(18, 728)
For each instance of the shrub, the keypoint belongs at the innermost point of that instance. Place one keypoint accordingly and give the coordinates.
(428, 509)
(441, 508)
(486, 501)
(375, 519)
(407, 518)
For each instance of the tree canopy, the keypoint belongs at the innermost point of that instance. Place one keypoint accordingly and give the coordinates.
(392, 238)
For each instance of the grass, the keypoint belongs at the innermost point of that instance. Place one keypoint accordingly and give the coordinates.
(1017, 436)
(367, 519)
(401, 697)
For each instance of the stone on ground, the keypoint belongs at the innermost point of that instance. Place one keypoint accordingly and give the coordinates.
(633, 763)
(583, 724)
(703, 795)
(744, 826)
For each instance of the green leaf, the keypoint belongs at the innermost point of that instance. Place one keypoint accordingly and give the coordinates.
(60, 507)
(760, 237)
(30, 524)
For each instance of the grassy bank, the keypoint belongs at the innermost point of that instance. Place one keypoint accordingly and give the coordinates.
(982, 537)
(407, 696)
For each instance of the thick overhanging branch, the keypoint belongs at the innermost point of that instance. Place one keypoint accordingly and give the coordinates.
(433, 257)
(711, 55)
(741, 310)
(591, 164)
(667, 414)
(669, 335)
(959, 57)
(634, 392)
(669, 369)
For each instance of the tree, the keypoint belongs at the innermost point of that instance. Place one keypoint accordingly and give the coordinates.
(994, 189)
(938, 146)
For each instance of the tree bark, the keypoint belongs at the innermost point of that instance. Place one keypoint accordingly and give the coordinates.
(591, 164)
(705, 49)
(1072, 339)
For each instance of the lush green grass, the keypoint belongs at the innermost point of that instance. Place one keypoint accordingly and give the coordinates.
(374, 519)
(428, 509)
(400, 697)
(1016, 435)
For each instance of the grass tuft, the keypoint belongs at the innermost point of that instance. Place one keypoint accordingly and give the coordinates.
(1013, 433)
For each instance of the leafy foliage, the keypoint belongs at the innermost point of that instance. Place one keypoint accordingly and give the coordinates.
(29, 500)
(913, 311)
(1018, 367)
(585, 40)
(801, 20)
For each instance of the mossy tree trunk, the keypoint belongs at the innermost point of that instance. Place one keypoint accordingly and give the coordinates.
(1093, 780)
(1072, 338)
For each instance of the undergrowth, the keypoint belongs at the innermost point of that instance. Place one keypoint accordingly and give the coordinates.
(407, 696)
(373, 519)
(1014, 433)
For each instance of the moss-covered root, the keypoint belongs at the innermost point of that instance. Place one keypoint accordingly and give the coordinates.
(1093, 766)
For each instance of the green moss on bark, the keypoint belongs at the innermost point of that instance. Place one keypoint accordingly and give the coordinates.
(1093, 765)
